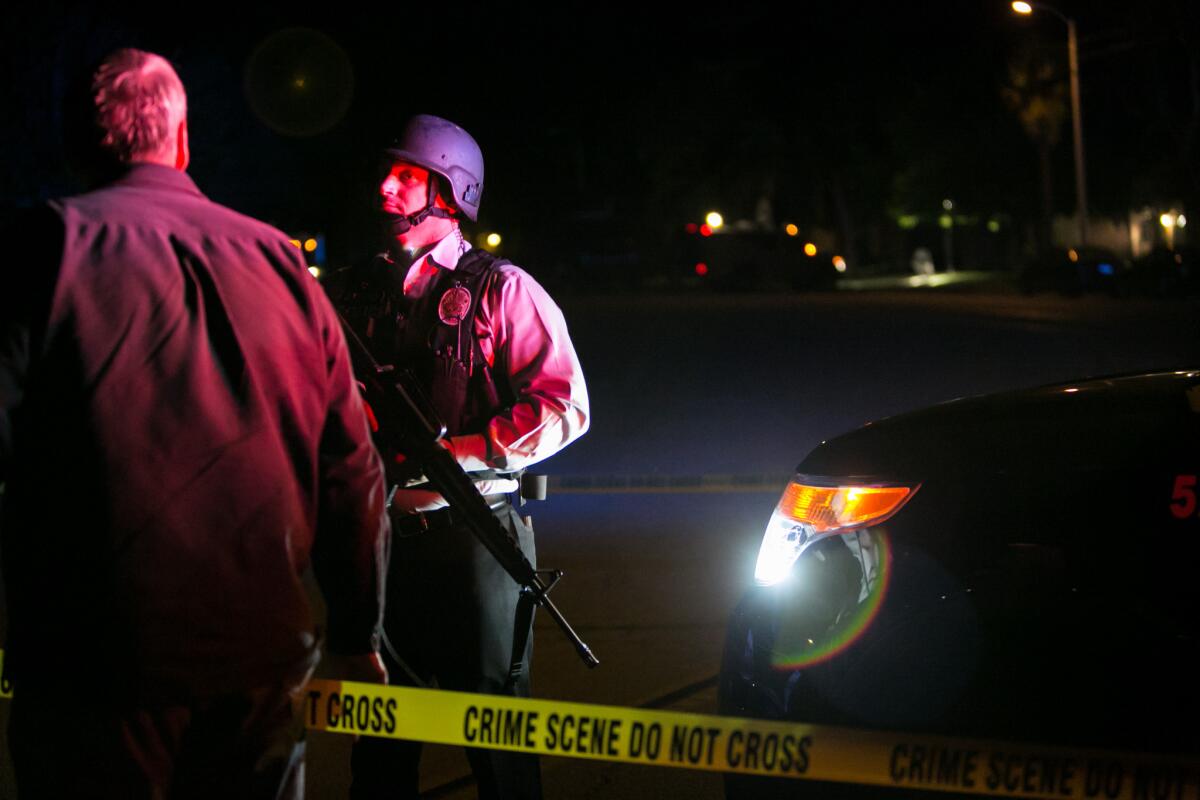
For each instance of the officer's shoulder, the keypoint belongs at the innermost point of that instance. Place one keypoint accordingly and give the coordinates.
(508, 271)
(206, 214)
(512, 282)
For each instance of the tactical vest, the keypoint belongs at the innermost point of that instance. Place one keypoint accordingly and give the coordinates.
(432, 335)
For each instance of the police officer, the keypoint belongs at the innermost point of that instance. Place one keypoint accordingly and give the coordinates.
(491, 350)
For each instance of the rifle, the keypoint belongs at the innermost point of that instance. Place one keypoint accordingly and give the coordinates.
(409, 423)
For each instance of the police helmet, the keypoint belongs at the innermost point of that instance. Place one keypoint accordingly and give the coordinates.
(444, 149)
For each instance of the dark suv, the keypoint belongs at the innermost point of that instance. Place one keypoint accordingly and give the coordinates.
(1020, 567)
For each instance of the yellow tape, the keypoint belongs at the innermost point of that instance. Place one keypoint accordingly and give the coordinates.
(748, 746)
(732, 744)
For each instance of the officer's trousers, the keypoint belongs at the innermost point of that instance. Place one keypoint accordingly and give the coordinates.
(449, 617)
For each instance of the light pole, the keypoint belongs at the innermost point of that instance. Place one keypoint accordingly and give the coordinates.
(1076, 112)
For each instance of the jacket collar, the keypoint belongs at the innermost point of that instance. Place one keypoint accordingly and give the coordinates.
(157, 176)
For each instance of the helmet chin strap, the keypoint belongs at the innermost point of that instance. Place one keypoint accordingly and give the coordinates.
(396, 224)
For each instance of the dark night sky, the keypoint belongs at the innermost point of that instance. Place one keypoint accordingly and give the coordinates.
(620, 122)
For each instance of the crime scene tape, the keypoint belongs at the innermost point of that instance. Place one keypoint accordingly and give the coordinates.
(732, 744)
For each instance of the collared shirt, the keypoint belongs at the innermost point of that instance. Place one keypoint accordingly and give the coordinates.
(180, 434)
(523, 336)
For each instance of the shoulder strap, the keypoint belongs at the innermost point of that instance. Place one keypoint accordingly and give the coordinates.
(478, 262)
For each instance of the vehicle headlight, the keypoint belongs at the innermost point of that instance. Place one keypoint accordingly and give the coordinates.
(813, 508)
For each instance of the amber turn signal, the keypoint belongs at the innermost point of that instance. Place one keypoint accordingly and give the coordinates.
(831, 508)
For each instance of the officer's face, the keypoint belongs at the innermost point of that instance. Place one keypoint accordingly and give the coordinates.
(403, 190)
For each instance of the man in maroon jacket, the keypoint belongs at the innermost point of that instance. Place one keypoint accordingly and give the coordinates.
(180, 436)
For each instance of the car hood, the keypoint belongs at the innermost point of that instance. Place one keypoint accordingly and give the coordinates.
(1067, 427)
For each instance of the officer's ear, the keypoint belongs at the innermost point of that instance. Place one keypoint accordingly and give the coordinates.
(183, 154)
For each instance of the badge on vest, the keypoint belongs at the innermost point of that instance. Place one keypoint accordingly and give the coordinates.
(454, 305)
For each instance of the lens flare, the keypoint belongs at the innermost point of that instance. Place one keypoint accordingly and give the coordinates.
(800, 644)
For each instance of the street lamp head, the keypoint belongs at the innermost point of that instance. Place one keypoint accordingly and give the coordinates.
(1026, 8)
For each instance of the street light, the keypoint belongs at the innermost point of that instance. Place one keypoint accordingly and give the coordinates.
(1171, 221)
(1076, 110)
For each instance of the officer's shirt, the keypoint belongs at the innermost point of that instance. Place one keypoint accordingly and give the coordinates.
(523, 337)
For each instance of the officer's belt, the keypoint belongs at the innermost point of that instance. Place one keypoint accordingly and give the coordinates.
(420, 521)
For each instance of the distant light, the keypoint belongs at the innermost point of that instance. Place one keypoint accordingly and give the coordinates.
(946, 221)
(1167, 220)
(1072, 390)
(839, 263)
(1181, 221)
(1105, 268)
(300, 81)
(493, 240)
(705, 230)
(714, 220)
(791, 229)
(1178, 258)
(810, 249)
(1073, 255)
(315, 271)
(908, 221)
(691, 227)
(296, 243)
(1022, 7)
(948, 204)
(993, 225)
(701, 269)
(310, 245)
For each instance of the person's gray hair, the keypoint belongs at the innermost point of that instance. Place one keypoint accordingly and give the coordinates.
(139, 103)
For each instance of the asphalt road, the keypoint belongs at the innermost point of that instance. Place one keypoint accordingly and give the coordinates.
(693, 397)
(702, 405)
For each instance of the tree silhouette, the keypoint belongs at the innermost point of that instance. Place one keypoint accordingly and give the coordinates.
(1035, 89)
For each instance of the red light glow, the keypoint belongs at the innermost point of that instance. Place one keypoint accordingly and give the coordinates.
(691, 227)
(702, 269)
(705, 230)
